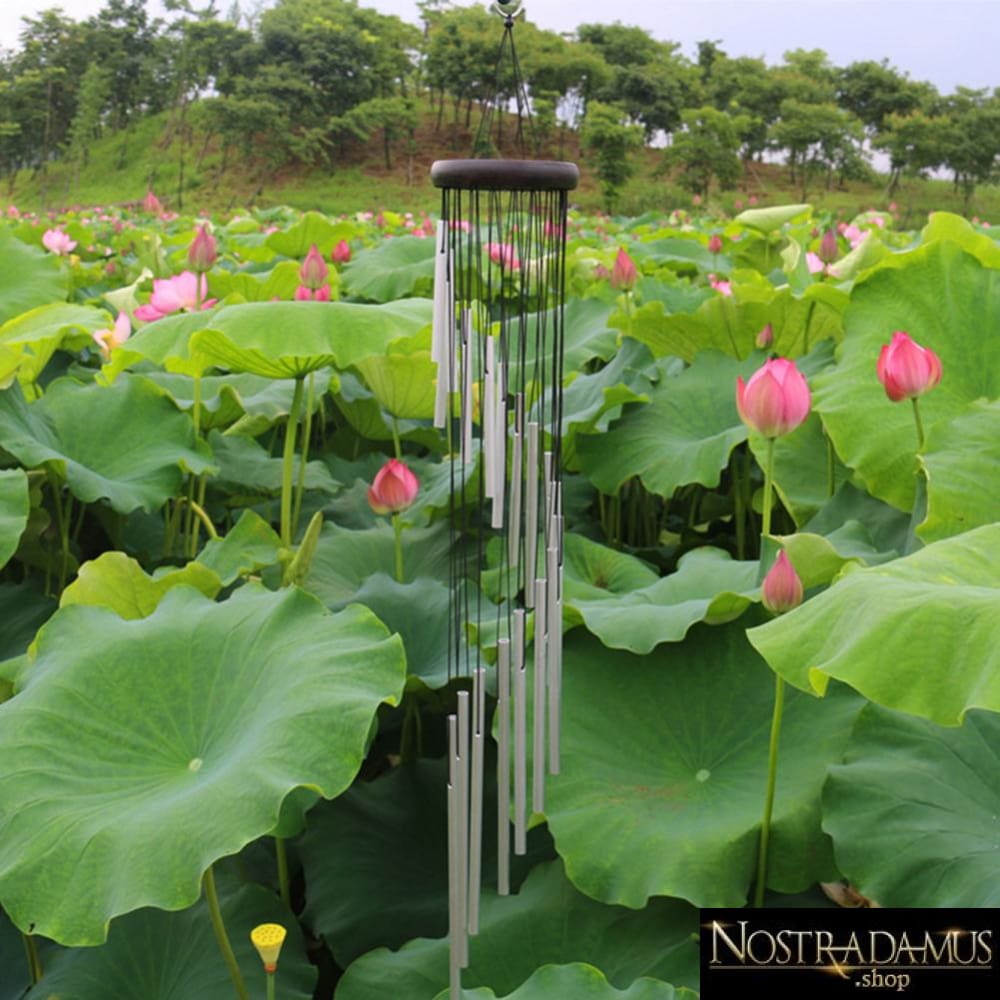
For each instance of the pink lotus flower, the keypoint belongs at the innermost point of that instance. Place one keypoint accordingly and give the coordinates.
(176, 294)
(341, 253)
(766, 337)
(151, 204)
(782, 588)
(12, 212)
(738, 205)
(394, 488)
(715, 243)
(203, 251)
(303, 294)
(314, 270)
(753, 200)
(813, 262)
(721, 286)
(696, 200)
(463, 224)
(503, 254)
(108, 340)
(57, 242)
(624, 273)
(906, 369)
(828, 249)
(776, 400)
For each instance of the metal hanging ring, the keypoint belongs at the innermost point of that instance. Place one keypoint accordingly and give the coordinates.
(508, 11)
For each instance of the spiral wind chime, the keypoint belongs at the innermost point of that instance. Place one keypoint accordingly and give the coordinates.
(498, 335)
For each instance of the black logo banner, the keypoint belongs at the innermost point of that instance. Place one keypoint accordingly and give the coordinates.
(850, 953)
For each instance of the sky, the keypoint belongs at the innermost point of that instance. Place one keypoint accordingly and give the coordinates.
(949, 42)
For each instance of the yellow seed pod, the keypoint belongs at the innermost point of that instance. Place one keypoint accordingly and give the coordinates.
(268, 939)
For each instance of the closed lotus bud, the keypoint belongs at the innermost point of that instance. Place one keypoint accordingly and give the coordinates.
(776, 400)
(314, 270)
(715, 243)
(906, 369)
(782, 588)
(394, 488)
(341, 253)
(202, 253)
(624, 273)
(268, 939)
(828, 248)
(766, 337)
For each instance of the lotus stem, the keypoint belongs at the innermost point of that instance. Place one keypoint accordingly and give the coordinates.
(772, 773)
(919, 423)
(202, 516)
(221, 937)
(270, 986)
(304, 457)
(397, 446)
(281, 854)
(768, 490)
(288, 460)
(397, 529)
(34, 962)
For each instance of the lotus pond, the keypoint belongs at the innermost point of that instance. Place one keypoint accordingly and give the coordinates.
(224, 697)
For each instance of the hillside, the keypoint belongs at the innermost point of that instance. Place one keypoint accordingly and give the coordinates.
(149, 154)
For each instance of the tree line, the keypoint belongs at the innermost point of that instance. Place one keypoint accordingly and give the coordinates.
(300, 81)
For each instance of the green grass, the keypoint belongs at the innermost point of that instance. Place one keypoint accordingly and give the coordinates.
(122, 167)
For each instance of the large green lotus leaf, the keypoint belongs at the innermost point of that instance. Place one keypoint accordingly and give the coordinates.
(125, 442)
(165, 342)
(948, 226)
(947, 301)
(887, 527)
(344, 559)
(29, 277)
(684, 435)
(706, 586)
(690, 254)
(226, 399)
(586, 333)
(593, 571)
(403, 383)
(41, 331)
(250, 545)
(382, 847)
(962, 462)
(391, 270)
(891, 631)
(140, 752)
(244, 462)
(116, 581)
(547, 922)
(291, 339)
(14, 508)
(173, 956)
(913, 810)
(311, 229)
(581, 982)
(818, 559)
(365, 416)
(770, 220)
(664, 765)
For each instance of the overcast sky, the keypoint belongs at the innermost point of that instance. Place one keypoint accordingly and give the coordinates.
(949, 42)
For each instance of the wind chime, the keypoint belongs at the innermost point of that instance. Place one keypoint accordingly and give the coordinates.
(498, 335)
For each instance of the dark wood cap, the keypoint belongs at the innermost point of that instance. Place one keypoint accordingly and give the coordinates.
(505, 175)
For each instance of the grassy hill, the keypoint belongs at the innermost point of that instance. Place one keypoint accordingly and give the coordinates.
(150, 154)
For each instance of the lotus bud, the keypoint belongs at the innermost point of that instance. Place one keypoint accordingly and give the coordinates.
(203, 252)
(341, 253)
(766, 337)
(715, 243)
(624, 273)
(268, 939)
(314, 270)
(776, 400)
(828, 249)
(906, 369)
(782, 588)
(394, 488)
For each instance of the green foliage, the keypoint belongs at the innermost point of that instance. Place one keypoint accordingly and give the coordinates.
(706, 149)
(609, 140)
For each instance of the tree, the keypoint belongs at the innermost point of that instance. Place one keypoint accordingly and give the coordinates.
(972, 146)
(915, 143)
(707, 148)
(746, 88)
(610, 139)
(873, 90)
(94, 89)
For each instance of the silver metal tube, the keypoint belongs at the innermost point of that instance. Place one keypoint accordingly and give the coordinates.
(520, 737)
(503, 767)
(462, 767)
(538, 705)
(554, 653)
(549, 494)
(499, 418)
(476, 794)
(454, 936)
(531, 514)
(467, 378)
(514, 526)
(487, 420)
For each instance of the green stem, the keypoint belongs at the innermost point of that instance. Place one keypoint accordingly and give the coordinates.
(221, 937)
(628, 313)
(270, 986)
(282, 857)
(287, 462)
(831, 475)
(397, 530)
(920, 425)
(768, 490)
(738, 509)
(772, 773)
(202, 516)
(34, 962)
(306, 435)
(62, 524)
(396, 444)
